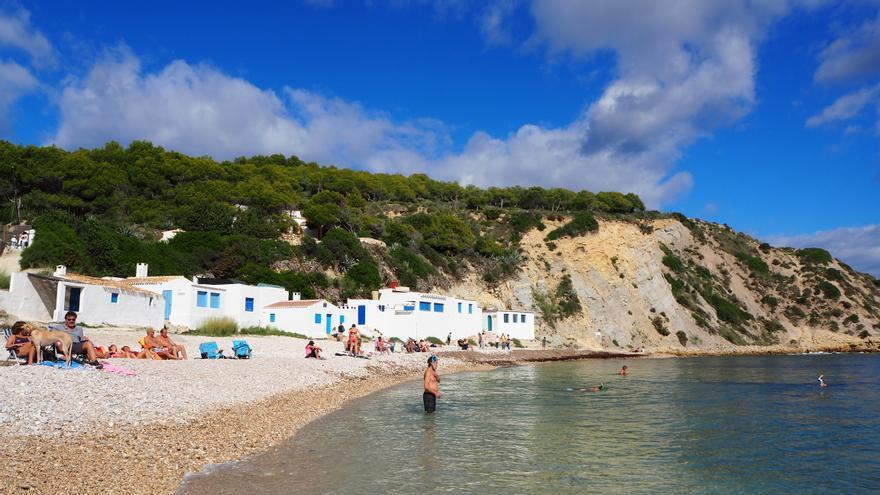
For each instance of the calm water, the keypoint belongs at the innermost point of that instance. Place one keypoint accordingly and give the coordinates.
(701, 425)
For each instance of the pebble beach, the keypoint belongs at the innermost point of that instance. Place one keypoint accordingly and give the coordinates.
(110, 433)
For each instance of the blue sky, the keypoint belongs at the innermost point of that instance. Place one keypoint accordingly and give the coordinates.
(762, 115)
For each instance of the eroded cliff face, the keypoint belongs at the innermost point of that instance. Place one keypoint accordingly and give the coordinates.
(666, 286)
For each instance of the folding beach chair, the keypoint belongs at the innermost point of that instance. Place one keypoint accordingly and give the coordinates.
(10, 353)
(241, 349)
(210, 350)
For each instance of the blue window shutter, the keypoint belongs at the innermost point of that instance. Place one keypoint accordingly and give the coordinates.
(424, 306)
(317, 317)
(341, 319)
(470, 309)
(515, 318)
(506, 317)
(215, 300)
(438, 308)
(202, 299)
(522, 318)
(249, 304)
(114, 297)
(362, 314)
(271, 317)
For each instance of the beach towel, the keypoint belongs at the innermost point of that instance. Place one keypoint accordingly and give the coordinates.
(119, 370)
(63, 365)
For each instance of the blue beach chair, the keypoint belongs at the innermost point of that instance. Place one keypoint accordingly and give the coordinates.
(210, 350)
(241, 349)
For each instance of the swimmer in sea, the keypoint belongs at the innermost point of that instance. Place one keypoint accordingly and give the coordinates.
(623, 371)
(600, 388)
(822, 383)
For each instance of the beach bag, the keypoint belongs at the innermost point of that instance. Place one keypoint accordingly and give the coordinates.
(241, 349)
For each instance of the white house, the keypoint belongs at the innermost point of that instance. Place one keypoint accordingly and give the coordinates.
(515, 324)
(96, 301)
(311, 317)
(399, 312)
(190, 302)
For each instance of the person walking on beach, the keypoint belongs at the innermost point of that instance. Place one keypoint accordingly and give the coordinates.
(449, 338)
(544, 342)
(432, 385)
(480, 339)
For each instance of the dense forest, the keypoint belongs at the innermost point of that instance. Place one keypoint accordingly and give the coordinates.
(101, 211)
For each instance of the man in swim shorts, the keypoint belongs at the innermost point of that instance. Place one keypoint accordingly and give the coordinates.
(432, 385)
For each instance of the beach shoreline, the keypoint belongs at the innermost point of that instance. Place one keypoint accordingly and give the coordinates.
(112, 450)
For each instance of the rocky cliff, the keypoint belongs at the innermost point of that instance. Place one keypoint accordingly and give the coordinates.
(677, 285)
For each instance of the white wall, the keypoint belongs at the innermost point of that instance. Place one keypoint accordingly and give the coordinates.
(302, 320)
(96, 306)
(518, 330)
(22, 300)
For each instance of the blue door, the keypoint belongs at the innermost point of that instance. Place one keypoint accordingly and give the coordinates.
(362, 314)
(490, 323)
(329, 323)
(167, 295)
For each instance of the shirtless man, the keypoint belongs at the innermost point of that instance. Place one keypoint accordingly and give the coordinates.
(623, 371)
(173, 347)
(152, 343)
(432, 385)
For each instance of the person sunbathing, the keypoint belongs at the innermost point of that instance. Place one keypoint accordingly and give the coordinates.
(152, 343)
(173, 347)
(382, 346)
(20, 342)
(423, 346)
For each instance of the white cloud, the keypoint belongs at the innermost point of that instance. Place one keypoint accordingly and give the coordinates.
(16, 31)
(853, 57)
(857, 246)
(845, 107)
(15, 81)
(494, 22)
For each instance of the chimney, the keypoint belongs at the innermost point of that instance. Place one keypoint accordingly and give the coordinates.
(295, 296)
(141, 270)
(60, 271)
(375, 295)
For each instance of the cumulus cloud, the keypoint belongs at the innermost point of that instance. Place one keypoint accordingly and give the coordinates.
(857, 246)
(15, 81)
(845, 107)
(683, 68)
(852, 57)
(16, 32)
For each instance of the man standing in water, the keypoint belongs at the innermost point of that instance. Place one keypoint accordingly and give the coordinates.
(432, 385)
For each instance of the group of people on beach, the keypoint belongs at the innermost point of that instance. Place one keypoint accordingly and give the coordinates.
(152, 347)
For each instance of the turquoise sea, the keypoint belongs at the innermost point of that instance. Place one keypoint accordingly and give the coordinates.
(719, 425)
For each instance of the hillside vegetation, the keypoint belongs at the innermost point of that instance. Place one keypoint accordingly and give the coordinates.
(584, 261)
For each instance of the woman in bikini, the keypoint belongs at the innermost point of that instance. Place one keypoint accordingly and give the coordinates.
(20, 342)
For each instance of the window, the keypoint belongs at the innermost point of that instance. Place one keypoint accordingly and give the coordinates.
(438, 308)
(522, 318)
(271, 317)
(459, 307)
(317, 317)
(215, 300)
(202, 299)
(470, 309)
(249, 304)
(114, 297)
(424, 306)
(409, 308)
(515, 318)
(506, 317)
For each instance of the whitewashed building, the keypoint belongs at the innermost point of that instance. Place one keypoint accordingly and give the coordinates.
(96, 301)
(515, 324)
(190, 302)
(314, 318)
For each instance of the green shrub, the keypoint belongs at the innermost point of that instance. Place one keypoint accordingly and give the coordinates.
(833, 274)
(864, 334)
(582, 223)
(794, 313)
(727, 310)
(814, 256)
(770, 301)
(755, 265)
(396, 340)
(518, 344)
(731, 336)
(773, 326)
(764, 247)
(849, 320)
(434, 340)
(660, 326)
(217, 327)
(4, 280)
(682, 337)
(830, 290)
(569, 303)
(472, 342)
(673, 262)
